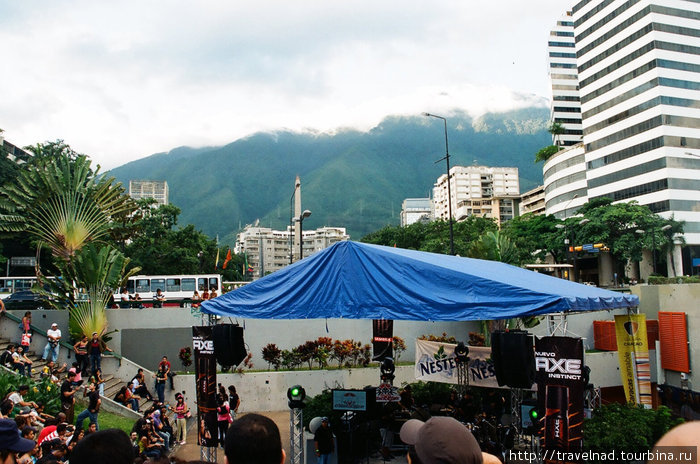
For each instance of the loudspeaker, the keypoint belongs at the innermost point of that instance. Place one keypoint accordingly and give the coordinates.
(229, 347)
(513, 358)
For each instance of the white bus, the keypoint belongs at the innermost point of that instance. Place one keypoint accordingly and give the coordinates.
(174, 287)
(10, 285)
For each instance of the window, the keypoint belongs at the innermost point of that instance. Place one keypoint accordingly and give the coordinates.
(143, 285)
(157, 284)
(172, 285)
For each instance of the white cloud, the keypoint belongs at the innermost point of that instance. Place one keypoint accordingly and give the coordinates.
(120, 81)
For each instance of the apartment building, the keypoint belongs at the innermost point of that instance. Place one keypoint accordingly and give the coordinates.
(156, 189)
(478, 190)
(268, 250)
(416, 210)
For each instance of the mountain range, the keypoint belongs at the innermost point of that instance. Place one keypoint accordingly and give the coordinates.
(349, 178)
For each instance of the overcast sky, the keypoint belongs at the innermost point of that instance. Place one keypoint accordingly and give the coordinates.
(123, 80)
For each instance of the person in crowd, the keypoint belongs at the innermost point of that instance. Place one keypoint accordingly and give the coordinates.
(25, 326)
(139, 384)
(180, 411)
(6, 356)
(68, 396)
(158, 299)
(78, 379)
(429, 443)
(234, 401)
(17, 362)
(165, 364)
(2, 307)
(97, 379)
(323, 442)
(93, 407)
(52, 346)
(158, 427)
(205, 294)
(254, 439)
(137, 302)
(682, 438)
(22, 355)
(223, 417)
(50, 368)
(111, 446)
(52, 451)
(196, 299)
(81, 354)
(11, 442)
(161, 377)
(407, 402)
(212, 293)
(92, 428)
(26, 322)
(125, 398)
(19, 402)
(95, 349)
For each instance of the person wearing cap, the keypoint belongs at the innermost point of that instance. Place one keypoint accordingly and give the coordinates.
(323, 442)
(52, 346)
(11, 442)
(441, 440)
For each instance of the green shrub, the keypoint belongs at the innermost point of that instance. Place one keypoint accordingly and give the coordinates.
(42, 391)
(626, 427)
(427, 393)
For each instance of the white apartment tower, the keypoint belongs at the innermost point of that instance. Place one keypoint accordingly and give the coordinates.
(638, 67)
(566, 104)
(478, 190)
(156, 189)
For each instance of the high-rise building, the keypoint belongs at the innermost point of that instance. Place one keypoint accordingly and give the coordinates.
(532, 201)
(566, 104)
(267, 250)
(638, 64)
(478, 190)
(156, 189)
(416, 210)
(13, 152)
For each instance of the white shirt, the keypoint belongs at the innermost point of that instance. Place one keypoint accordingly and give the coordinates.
(54, 333)
(16, 398)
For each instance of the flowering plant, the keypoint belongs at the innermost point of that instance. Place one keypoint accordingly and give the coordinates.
(185, 356)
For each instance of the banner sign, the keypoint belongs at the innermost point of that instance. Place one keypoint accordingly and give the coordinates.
(382, 339)
(387, 393)
(205, 375)
(349, 400)
(435, 362)
(559, 364)
(633, 351)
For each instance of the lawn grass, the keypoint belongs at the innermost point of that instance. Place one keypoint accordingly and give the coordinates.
(106, 419)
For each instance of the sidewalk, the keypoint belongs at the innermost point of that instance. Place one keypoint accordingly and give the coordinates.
(190, 451)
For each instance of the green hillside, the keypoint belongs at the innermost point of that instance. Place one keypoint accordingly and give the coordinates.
(349, 179)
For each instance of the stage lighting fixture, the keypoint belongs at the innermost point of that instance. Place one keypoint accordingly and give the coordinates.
(296, 396)
(461, 353)
(387, 370)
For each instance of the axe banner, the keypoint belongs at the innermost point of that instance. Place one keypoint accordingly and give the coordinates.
(205, 373)
(382, 339)
(559, 364)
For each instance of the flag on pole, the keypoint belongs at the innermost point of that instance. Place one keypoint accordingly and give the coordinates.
(228, 258)
(216, 264)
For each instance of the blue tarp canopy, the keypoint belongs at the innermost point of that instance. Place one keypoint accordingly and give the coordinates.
(359, 281)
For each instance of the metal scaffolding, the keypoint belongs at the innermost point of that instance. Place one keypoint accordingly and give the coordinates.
(296, 435)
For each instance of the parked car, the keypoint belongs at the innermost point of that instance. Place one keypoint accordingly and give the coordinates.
(26, 299)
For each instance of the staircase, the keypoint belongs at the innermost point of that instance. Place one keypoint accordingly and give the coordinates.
(114, 379)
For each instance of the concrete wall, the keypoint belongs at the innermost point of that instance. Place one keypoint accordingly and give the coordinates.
(267, 391)
(148, 334)
(681, 298)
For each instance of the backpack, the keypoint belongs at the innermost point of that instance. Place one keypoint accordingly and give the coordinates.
(6, 358)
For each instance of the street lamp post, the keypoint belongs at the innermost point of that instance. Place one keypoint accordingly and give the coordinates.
(570, 245)
(449, 193)
(300, 219)
(291, 223)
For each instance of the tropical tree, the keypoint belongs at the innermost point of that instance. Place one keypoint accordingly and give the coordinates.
(535, 236)
(62, 204)
(494, 246)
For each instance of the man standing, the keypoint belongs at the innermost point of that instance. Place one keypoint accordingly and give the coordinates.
(92, 409)
(51, 349)
(67, 397)
(323, 441)
(164, 366)
(95, 351)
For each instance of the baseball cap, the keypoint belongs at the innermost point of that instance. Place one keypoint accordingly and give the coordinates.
(10, 438)
(324, 419)
(54, 325)
(441, 440)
